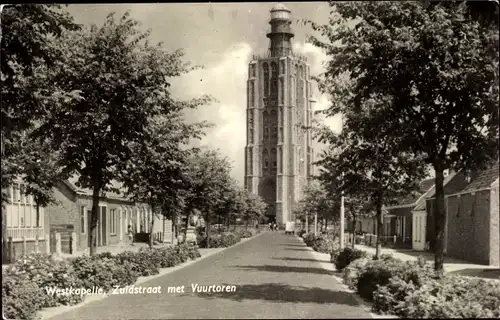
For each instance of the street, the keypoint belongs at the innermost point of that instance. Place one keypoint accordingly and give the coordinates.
(270, 276)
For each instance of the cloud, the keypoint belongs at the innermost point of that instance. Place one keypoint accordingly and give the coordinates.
(317, 58)
(226, 81)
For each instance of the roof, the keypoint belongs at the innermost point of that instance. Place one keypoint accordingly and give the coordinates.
(279, 7)
(430, 192)
(71, 183)
(409, 200)
(479, 180)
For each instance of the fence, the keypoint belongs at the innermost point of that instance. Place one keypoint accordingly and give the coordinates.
(369, 239)
(52, 243)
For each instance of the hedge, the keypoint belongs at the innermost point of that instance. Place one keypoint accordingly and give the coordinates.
(25, 283)
(223, 240)
(411, 289)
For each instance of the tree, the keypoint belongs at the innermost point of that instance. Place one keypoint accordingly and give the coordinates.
(369, 174)
(209, 181)
(254, 207)
(437, 68)
(123, 84)
(29, 34)
(156, 173)
(317, 201)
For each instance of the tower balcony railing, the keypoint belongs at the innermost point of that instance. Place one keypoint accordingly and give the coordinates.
(268, 55)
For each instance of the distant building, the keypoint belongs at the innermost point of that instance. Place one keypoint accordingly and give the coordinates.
(279, 153)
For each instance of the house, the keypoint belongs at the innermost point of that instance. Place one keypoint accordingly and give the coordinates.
(419, 216)
(25, 225)
(398, 219)
(472, 232)
(71, 213)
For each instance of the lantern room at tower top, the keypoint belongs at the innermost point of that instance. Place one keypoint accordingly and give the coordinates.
(281, 32)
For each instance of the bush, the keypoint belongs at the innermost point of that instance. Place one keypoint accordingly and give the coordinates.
(104, 273)
(351, 280)
(348, 255)
(379, 272)
(48, 273)
(242, 233)
(189, 251)
(309, 239)
(220, 240)
(452, 297)
(325, 245)
(21, 297)
(143, 263)
(302, 233)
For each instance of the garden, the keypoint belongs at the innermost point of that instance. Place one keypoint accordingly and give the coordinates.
(25, 283)
(410, 289)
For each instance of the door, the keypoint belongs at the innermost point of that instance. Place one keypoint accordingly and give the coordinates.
(418, 238)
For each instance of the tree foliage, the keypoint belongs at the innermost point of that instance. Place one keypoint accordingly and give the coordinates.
(210, 185)
(123, 84)
(27, 49)
(424, 78)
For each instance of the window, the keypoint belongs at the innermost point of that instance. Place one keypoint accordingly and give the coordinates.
(274, 69)
(266, 132)
(250, 93)
(266, 78)
(275, 164)
(252, 70)
(83, 220)
(112, 221)
(266, 164)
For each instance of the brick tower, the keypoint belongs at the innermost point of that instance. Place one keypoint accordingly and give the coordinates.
(279, 154)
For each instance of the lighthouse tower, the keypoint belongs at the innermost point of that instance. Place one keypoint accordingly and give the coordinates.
(279, 154)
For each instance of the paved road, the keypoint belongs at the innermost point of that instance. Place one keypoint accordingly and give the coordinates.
(275, 277)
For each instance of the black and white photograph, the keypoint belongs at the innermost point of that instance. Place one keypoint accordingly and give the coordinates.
(250, 160)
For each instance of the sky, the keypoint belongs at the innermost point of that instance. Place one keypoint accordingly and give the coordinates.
(222, 37)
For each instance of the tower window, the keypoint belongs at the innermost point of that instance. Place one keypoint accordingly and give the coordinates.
(250, 93)
(266, 164)
(274, 69)
(266, 78)
(252, 70)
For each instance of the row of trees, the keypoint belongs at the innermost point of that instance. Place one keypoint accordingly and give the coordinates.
(95, 102)
(417, 86)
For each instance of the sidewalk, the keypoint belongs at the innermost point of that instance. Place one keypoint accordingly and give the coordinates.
(451, 265)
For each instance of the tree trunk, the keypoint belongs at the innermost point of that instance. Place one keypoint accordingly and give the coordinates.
(207, 224)
(96, 188)
(440, 217)
(380, 230)
(307, 223)
(354, 220)
(246, 225)
(151, 225)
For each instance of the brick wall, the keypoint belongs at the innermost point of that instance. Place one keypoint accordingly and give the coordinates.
(65, 210)
(495, 226)
(470, 225)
